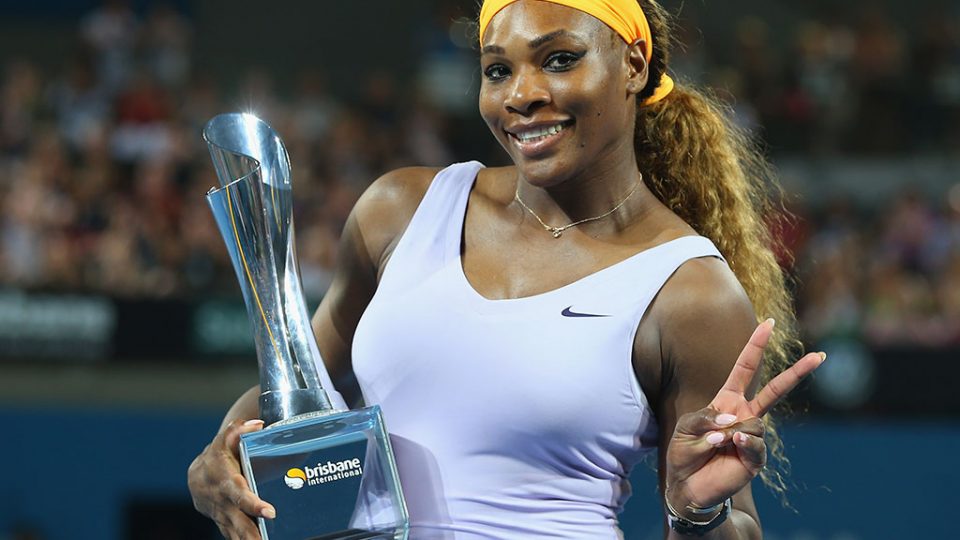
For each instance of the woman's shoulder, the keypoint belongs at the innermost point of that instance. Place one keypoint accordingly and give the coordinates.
(400, 191)
(703, 310)
(386, 207)
(390, 202)
(702, 287)
(397, 190)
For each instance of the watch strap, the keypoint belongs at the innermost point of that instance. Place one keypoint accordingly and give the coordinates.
(683, 525)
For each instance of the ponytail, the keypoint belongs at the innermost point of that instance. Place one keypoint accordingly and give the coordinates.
(709, 172)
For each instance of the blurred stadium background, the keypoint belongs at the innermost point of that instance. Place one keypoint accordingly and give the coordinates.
(123, 336)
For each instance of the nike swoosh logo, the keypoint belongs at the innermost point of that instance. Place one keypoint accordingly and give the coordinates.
(567, 313)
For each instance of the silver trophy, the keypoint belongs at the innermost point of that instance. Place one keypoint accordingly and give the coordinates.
(329, 471)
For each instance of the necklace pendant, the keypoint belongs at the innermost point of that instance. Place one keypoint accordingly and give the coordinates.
(557, 232)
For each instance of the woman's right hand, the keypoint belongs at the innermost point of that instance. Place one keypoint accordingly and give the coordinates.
(219, 489)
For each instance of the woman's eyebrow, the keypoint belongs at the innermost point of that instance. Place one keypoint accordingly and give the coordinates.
(537, 42)
(492, 49)
(533, 44)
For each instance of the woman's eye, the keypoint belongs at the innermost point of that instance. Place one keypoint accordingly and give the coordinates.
(496, 72)
(562, 61)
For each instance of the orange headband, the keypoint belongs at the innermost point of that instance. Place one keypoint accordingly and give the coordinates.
(623, 16)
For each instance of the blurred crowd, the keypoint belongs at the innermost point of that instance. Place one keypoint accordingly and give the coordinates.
(888, 277)
(849, 78)
(103, 174)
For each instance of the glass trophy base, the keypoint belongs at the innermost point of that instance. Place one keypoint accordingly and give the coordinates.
(329, 476)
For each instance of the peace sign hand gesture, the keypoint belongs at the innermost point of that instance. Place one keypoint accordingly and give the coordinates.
(716, 451)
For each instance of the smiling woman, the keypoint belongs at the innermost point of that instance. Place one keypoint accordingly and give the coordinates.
(532, 331)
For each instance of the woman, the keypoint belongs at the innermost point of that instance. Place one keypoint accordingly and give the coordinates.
(531, 331)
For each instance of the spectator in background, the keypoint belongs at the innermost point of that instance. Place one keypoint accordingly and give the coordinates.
(878, 70)
(38, 212)
(829, 302)
(314, 110)
(817, 101)
(166, 41)
(111, 34)
(756, 68)
(143, 112)
(935, 117)
(81, 106)
(20, 106)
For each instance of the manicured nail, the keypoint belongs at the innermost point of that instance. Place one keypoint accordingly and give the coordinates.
(725, 419)
(741, 437)
(823, 356)
(772, 322)
(253, 422)
(715, 438)
(268, 512)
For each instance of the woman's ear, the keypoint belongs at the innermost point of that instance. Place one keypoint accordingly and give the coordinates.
(636, 66)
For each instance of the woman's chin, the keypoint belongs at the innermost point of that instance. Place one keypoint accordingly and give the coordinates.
(543, 173)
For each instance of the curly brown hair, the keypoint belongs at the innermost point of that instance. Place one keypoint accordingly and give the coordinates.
(711, 174)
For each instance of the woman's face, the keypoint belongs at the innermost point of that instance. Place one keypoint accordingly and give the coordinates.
(555, 91)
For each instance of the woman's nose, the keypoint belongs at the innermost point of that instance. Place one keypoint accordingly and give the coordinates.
(527, 93)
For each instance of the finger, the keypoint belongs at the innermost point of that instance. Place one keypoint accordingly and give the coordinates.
(237, 494)
(782, 384)
(751, 426)
(707, 427)
(722, 437)
(717, 438)
(752, 451)
(252, 505)
(749, 360)
(236, 428)
(707, 419)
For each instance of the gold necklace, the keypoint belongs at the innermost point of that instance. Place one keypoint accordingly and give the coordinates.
(558, 231)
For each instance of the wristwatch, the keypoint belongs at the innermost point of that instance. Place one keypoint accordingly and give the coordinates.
(683, 525)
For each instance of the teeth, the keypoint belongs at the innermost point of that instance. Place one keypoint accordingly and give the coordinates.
(540, 133)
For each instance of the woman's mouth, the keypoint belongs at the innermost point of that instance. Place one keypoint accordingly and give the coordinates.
(535, 140)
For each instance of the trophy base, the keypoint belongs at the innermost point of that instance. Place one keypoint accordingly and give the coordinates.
(329, 477)
(362, 535)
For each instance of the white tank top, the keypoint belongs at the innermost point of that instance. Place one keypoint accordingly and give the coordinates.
(510, 419)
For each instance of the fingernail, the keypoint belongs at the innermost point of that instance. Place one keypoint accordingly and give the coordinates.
(725, 419)
(253, 422)
(823, 356)
(268, 512)
(741, 437)
(772, 322)
(715, 438)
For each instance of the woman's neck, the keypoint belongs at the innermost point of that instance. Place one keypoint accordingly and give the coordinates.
(606, 185)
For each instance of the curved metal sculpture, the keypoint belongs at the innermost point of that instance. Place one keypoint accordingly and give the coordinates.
(253, 208)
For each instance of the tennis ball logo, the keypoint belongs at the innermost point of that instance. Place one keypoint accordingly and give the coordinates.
(295, 478)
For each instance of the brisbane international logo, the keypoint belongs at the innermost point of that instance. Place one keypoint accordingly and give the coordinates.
(331, 471)
(295, 478)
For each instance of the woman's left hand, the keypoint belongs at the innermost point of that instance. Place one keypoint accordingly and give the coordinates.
(716, 451)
